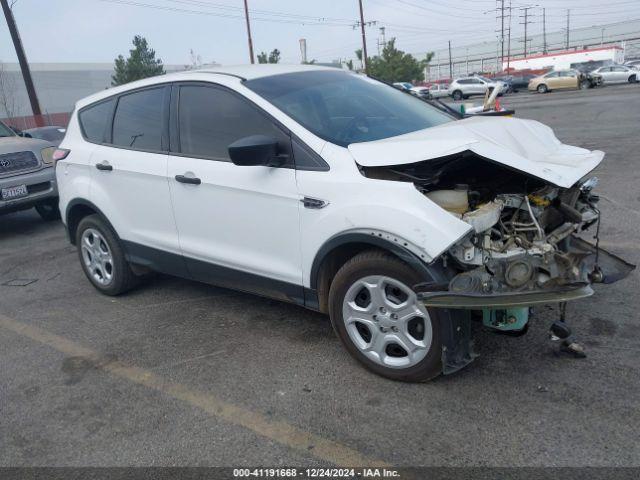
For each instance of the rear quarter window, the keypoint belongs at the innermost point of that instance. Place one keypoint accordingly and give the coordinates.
(95, 119)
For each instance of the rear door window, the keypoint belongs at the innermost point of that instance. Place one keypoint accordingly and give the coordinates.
(139, 120)
(95, 119)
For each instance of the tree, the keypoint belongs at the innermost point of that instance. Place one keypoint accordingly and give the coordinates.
(359, 56)
(142, 63)
(274, 57)
(394, 65)
(8, 91)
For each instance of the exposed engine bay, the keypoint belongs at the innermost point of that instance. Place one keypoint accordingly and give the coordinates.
(523, 249)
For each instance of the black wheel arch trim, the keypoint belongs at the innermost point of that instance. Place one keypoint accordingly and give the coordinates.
(85, 203)
(424, 266)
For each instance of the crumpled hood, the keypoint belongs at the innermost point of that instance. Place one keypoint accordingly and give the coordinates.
(524, 145)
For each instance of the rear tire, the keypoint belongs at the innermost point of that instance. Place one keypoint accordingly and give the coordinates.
(48, 210)
(542, 88)
(379, 320)
(102, 257)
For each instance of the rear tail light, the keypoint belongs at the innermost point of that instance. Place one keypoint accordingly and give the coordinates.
(60, 154)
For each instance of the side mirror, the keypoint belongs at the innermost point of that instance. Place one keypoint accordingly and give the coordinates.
(255, 150)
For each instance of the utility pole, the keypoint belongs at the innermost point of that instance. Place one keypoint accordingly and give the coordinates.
(509, 41)
(568, 19)
(450, 63)
(246, 14)
(382, 43)
(544, 31)
(365, 60)
(526, 22)
(467, 62)
(24, 65)
(502, 29)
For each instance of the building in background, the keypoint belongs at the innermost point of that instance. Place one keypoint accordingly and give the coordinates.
(59, 87)
(567, 59)
(485, 56)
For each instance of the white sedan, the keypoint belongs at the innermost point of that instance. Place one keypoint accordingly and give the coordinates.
(618, 74)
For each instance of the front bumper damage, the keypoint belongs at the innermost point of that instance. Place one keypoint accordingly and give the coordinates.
(492, 286)
(486, 288)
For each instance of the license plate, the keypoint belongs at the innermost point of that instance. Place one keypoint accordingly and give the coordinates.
(14, 192)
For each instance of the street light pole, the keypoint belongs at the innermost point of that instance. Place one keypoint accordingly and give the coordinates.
(24, 65)
(246, 14)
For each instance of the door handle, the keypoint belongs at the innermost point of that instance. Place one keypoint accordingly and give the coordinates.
(104, 166)
(189, 180)
(314, 203)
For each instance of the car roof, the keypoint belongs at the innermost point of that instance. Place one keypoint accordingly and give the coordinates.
(250, 72)
(241, 72)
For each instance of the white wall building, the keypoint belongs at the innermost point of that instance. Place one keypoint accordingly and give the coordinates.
(59, 85)
(564, 60)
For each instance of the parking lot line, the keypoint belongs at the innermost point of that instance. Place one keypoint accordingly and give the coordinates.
(278, 431)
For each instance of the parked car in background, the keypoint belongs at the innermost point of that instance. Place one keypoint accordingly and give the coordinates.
(635, 64)
(51, 134)
(618, 74)
(403, 86)
(421, 92)
(515, 83)
(27, 177)
(563, 79)
(439, 90)
(462, 88)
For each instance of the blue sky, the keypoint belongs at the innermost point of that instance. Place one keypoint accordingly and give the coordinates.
(98, 30)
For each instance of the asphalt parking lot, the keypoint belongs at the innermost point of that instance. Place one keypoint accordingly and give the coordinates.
(180, 373)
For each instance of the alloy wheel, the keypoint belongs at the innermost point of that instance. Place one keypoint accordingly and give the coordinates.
(97, 256)
(386, 322)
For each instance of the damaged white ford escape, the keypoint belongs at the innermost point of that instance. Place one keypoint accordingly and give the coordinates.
(339, 193)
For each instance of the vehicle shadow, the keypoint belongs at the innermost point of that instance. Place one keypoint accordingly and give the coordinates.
(25, 222)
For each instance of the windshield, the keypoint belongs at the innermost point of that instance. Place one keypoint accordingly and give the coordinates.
(5, 131)
(345, 108)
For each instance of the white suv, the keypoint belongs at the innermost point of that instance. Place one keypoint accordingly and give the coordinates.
(462, 88)
(333, 191)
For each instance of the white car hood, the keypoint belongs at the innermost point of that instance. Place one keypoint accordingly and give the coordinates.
(524, 145)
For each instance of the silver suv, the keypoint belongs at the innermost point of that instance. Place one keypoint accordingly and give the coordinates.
(27, 178)
(462, 88)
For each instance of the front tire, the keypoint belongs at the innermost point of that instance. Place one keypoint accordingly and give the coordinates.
(380, 321)
(457, 95)
(102, 257)
(633, 79)
(542, 88)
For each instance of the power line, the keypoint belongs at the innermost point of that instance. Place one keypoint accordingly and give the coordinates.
(222, 14)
